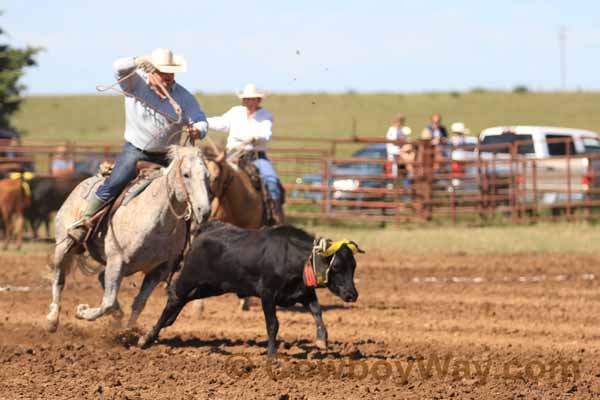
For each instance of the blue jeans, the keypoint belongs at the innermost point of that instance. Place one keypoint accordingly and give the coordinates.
(269, 177)
(124, 170)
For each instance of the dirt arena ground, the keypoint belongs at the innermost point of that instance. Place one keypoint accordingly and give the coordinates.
(434, 327)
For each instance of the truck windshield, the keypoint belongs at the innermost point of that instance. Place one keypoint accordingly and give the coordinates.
(524, 143)
(591, 145)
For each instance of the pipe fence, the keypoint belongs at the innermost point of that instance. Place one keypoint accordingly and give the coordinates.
(426, 182)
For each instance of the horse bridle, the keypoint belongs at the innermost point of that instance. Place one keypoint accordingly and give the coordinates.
(187, 214)
(225, 184)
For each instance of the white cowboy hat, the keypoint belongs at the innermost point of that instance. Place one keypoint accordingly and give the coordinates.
(459, 127)
(250, 92)
(165, 61)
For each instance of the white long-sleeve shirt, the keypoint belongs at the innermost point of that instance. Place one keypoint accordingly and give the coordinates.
(243, 129)
(394, 133)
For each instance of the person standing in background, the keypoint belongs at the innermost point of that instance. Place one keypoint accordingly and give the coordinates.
(396, 132)
(457, 134)
(439, 134)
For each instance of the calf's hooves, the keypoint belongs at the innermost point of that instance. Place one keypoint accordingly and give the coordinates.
(145, 341)
(321, 344)
(245, 304)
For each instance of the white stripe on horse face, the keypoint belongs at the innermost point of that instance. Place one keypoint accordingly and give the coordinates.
(197, 186)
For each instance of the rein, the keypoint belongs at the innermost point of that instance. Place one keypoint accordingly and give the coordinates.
(227, 182)
(223, 190)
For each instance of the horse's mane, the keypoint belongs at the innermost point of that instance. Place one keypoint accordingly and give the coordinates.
(175, 152)
(209, 153)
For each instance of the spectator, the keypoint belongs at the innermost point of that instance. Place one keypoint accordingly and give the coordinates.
(397, 132)
(438, 132)
(457, 134)
(61, 164)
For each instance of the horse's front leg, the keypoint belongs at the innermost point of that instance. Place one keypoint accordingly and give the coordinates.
(117, 313)
(113, 274)
(157, 275)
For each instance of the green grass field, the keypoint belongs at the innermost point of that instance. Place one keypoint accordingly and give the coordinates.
(575, 238)
(99, 118)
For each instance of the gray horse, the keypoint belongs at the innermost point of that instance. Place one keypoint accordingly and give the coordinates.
(147, 235)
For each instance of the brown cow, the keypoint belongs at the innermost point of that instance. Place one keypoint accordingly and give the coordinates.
(13, 200)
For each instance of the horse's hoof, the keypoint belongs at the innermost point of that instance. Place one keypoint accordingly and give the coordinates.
(52, 324)
(321, 344)
(81, 310)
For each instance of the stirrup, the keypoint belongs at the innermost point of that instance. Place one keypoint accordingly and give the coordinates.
(78, 233)
(79, 230)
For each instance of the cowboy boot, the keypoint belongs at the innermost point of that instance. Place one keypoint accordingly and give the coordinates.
(79, 229)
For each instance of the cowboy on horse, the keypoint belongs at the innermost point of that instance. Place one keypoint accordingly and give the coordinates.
(249, 126)
(145, 228)
(156, 110)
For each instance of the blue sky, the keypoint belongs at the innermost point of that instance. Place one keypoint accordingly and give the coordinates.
(298, 46)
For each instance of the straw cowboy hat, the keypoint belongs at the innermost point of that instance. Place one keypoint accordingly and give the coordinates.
(459, 127)
(250, 92)
(165, 61)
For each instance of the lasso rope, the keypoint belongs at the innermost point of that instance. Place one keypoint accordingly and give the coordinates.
(161, 90)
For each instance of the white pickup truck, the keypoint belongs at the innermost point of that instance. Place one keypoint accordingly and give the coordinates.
(550, 163)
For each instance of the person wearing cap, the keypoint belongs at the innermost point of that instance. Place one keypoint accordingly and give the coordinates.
(157, 108)
(457, 134)
(250, 129)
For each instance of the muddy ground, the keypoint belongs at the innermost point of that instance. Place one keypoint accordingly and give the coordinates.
(434, 327)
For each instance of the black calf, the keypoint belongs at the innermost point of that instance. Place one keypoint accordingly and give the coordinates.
(267, 263)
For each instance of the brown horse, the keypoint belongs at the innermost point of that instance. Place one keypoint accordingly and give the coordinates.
(235, 198)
